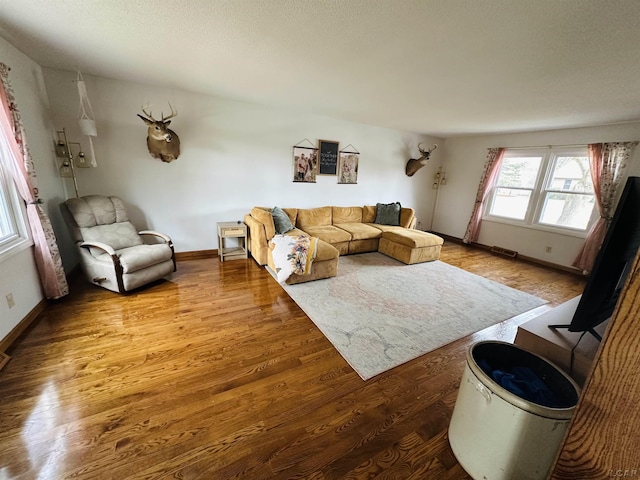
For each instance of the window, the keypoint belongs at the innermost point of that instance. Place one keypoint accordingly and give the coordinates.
(13, 229)
(544, 188)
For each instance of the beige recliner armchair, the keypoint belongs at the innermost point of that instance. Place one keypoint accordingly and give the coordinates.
(112, 253)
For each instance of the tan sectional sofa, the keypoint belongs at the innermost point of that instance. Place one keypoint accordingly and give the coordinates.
(342, 231)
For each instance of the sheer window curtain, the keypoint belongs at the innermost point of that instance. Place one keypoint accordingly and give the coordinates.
(491, 169)
(606, 163)
(46, 252)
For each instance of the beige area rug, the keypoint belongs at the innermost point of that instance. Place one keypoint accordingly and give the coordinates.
(380, 313)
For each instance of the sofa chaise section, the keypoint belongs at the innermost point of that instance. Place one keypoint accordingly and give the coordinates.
(411, 246)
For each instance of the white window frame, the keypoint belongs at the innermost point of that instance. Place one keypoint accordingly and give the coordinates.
(538, 191)
(12, 209)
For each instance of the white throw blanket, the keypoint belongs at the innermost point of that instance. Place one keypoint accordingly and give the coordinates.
(292, 254)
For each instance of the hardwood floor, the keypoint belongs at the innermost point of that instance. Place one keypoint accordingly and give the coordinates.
(217, 374)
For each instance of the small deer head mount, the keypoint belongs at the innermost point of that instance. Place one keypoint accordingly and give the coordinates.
(413, 165)
(162, 142)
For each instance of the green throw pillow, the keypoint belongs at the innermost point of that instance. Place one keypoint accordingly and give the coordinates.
(281, 220)
(387, 213)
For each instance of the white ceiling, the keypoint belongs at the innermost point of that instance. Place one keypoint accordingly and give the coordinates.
(440, 67)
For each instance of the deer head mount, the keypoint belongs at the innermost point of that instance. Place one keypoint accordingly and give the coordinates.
(162, 142)
(415, 164)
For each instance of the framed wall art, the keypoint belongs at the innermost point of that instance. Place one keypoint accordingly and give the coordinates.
(348, 166)
(328, 157)
(305, 164)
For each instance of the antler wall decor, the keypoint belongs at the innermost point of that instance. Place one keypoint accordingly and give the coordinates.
(162, 142)
(415, 164)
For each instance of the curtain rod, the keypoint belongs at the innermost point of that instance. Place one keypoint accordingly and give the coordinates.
(545, 146)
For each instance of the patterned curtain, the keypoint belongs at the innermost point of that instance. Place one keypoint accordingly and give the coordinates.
(46, 252)
(491, 169)
(606, 162)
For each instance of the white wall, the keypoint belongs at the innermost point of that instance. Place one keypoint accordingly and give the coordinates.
(18, 274)
(235, 155)
(465, 158)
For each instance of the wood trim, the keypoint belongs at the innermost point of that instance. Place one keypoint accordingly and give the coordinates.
(553, 266)
(603, 438)
(4, 359)
(524, 258)
(13, 335)
(196, 255)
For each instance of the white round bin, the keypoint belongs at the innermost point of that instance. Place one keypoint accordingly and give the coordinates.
(498, 435)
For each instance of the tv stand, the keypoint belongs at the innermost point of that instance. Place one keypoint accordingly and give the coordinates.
(573, 352)
(591, 330)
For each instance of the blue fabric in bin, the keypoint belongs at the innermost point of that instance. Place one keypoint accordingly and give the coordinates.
(523, 382)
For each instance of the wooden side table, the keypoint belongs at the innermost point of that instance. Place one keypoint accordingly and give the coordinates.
(237, 230)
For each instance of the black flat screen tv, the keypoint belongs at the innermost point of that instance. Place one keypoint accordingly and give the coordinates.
(612, 265)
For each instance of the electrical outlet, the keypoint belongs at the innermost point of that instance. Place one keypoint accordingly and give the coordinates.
(10, 301)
